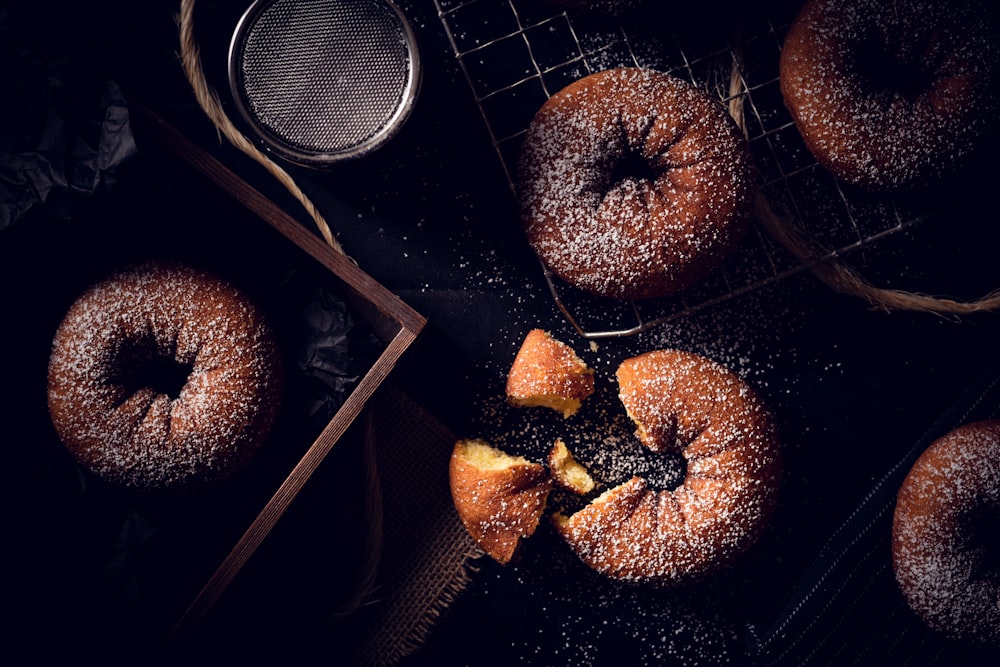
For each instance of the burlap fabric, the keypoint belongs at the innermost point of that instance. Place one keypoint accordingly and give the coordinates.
(426, 555)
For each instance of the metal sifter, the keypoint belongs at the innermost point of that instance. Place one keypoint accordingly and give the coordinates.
(321, 81)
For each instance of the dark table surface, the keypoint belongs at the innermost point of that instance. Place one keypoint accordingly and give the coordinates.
(431, 216)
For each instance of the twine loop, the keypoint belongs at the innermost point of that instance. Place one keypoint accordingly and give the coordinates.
(832, 272)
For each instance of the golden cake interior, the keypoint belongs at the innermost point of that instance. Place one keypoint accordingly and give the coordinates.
(499, 497)
(567, 472)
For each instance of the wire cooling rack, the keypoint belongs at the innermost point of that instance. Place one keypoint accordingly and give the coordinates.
(516, 53)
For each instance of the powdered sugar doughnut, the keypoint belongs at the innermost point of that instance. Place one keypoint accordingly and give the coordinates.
(163, 377)
(946, 533)
(633, 184)
(889, 95)
(682, 402)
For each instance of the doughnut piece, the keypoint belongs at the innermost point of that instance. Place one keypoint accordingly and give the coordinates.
(891, 95)
(548, 373)
(633, 184)
(567, 472)
(682, 402)
(499, 497)
(163, 377)
(946, 534)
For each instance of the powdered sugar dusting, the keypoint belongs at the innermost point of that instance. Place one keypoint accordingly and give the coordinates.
(633, 183)
(685, 625)
(689, 404)
(547, 372)
(944, 533)
(888, 95)
(142, 436)
(499, 498)
(610, 7)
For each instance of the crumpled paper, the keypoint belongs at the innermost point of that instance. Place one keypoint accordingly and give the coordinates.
(326, 357)
(64, 130)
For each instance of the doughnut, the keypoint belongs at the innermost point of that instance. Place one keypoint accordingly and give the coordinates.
(499, 497)
(687, 404)
(163, 377)
(633, 184)
(891, 95)
(946, 534)
(548, 373)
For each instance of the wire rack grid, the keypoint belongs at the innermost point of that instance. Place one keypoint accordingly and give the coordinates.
(517, 53)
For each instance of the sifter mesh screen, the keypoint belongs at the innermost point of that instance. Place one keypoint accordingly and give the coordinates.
(323, 77)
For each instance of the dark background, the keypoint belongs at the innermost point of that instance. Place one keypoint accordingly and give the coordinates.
(431, 217)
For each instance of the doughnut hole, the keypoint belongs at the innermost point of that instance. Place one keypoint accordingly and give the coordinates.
(631, 167)
(982, 535)
(139, 364)
(887, 68)
(663, 471)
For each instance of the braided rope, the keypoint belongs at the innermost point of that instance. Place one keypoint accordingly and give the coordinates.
(835, 274)
(208, 100)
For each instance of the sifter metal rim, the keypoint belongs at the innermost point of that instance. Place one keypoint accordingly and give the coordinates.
(320, 158)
